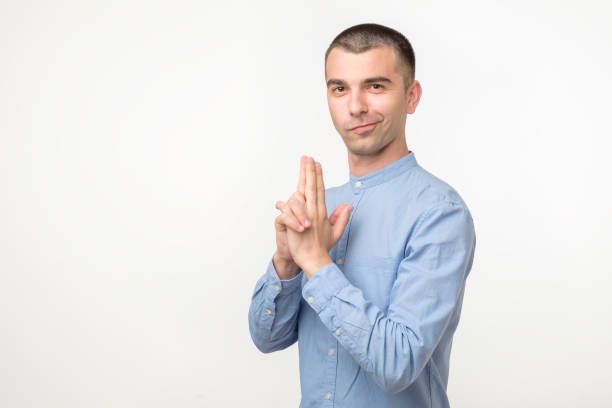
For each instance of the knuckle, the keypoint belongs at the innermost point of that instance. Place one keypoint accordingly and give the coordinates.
(296, 208)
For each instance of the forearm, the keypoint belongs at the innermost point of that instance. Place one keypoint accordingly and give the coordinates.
(392, 348)
(274, 311)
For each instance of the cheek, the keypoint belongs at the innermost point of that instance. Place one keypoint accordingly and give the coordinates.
(378, 107)
(389, 111)
(335, 110)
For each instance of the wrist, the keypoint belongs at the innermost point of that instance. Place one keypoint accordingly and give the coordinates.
(311, 267)
(285, 268)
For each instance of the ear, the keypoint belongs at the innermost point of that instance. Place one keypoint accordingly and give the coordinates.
(414, 95)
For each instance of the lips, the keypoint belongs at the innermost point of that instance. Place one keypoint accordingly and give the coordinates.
(364, 128)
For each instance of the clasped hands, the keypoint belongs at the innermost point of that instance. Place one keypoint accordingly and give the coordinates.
(304, 234)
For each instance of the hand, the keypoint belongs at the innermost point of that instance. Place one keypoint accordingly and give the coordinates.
(283, 261)
(291, 211)
(309, 248)
(293, 215)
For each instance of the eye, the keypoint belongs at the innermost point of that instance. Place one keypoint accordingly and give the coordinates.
(377, 86)
(338, 89)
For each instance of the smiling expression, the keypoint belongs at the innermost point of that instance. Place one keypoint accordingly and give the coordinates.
(366, 98)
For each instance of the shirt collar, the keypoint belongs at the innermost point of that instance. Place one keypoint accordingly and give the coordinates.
(383, 174)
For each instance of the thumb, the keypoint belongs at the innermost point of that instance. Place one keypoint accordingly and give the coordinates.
(341, 221)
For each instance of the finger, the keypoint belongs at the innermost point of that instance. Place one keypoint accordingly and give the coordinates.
(291, 222)
(311, 187)
(301, 187)
(340, 225)
(298, 206)
(279, 225)
(334, 215)
(322, 210)
(289, 219)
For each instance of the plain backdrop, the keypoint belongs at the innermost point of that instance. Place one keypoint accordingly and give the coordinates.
(143, 145)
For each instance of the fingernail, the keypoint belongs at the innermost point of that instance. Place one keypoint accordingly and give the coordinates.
(300, 228)
(307, 223)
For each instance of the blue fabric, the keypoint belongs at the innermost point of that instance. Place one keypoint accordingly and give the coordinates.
(374, 328)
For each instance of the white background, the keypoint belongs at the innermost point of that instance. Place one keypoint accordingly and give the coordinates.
(143, 146)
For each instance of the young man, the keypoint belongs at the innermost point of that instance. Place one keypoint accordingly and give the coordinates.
(373, 293)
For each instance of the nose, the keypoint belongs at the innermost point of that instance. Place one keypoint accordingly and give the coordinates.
(357, 103)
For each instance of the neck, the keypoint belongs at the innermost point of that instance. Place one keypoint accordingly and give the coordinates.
(360, 165)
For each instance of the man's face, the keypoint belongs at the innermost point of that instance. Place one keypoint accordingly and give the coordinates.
(366, 89)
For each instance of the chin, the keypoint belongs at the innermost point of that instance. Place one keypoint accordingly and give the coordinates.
(364, 150)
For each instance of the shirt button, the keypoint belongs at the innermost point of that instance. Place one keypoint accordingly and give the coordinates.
(332, 352)
(358, 184)
(310, 299)
(338, 332)
(268, 311)
(328, 395)
(277, 287)
(339, 261)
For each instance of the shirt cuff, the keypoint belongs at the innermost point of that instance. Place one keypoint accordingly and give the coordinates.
(324, 285)
(281, 287)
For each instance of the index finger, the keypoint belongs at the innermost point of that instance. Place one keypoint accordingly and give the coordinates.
(320, 190)
(311, 187)
(301, 187)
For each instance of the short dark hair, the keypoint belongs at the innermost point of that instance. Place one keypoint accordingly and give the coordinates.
(363, 37)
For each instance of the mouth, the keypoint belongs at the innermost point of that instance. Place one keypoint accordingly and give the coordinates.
(364, 128)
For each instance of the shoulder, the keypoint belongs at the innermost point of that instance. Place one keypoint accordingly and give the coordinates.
(426, 192)
(442, 212)
(439, 214)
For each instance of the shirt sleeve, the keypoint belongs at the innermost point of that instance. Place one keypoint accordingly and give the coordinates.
(274, 311)
(394, 348)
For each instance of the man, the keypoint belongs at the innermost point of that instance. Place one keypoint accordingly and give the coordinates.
(373, 293)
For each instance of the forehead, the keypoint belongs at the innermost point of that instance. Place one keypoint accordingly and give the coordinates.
(343, 64)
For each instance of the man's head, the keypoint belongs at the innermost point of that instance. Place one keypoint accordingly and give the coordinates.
(364, 37)
(369, 71)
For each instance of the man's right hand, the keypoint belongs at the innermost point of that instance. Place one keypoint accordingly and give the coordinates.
(293, 215)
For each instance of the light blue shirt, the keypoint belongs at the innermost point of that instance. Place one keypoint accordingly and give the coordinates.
(375, 327)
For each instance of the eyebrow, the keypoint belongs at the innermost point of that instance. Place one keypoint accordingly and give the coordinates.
(334, 81)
